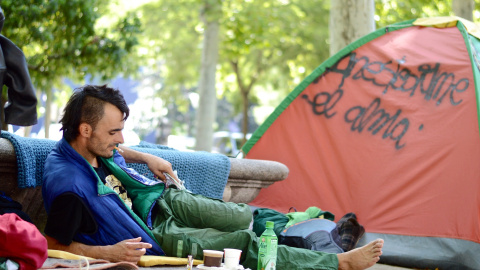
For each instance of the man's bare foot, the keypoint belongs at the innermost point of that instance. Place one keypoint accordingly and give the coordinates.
(361, 258)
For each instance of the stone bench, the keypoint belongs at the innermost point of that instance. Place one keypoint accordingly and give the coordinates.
(247, 177)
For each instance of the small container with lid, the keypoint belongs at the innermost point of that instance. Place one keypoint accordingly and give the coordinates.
(212, 258)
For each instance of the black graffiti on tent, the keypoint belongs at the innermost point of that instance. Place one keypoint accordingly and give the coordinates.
(430, 82)
(360, 117)
(323, 102)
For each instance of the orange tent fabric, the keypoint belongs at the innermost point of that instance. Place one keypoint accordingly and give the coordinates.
(387, 129)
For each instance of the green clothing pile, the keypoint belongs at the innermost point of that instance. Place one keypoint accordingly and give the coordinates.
(311, 212)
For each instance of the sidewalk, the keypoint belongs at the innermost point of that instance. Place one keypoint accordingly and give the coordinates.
(379, 266)
(375, 267)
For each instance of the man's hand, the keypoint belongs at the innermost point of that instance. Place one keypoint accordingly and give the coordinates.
(156, 164)
(129, 250)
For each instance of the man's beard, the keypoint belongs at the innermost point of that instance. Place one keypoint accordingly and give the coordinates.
(106, 154)
(103, 154)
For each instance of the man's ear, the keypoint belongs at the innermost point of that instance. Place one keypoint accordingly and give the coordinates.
(85, 130)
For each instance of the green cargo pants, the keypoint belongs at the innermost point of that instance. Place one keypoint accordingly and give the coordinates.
(186, 224)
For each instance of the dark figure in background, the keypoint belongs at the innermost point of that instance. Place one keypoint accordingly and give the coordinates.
(21, 106)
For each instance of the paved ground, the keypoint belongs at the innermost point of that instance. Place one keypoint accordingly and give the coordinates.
(378, 266)
(72, 259)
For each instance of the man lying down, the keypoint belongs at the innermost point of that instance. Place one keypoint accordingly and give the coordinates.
(98, 208)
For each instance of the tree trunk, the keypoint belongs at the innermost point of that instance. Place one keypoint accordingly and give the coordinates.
(349, 20)
(208, 96)
(244, 91)
(245, 116)
(463, 8)
(48, 112)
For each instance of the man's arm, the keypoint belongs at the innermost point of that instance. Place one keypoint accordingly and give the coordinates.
(156, 164)
(129, 250)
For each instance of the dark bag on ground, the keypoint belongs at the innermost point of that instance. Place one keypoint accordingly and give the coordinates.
(324, 235)
(8, 205)
(314, 234)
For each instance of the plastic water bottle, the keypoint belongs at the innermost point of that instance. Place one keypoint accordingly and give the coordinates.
(267, 251)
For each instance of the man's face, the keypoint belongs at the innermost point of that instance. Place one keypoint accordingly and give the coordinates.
(108, 132)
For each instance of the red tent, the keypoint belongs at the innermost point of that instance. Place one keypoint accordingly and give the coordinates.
(388, 128)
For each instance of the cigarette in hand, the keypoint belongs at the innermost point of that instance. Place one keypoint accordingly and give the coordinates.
(118, 149)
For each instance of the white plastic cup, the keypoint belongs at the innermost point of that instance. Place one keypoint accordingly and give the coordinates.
(232, 258)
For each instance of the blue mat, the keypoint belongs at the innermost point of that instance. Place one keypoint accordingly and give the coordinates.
(203, 172)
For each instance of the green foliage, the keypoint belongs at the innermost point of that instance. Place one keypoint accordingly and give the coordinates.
(172, 42)
(60, 39)
(394, 11)
(273, 43)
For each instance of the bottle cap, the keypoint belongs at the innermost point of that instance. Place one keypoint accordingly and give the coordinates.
(270, 224)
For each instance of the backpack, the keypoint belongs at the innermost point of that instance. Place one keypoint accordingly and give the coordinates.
(324, 235)
(314, 234)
